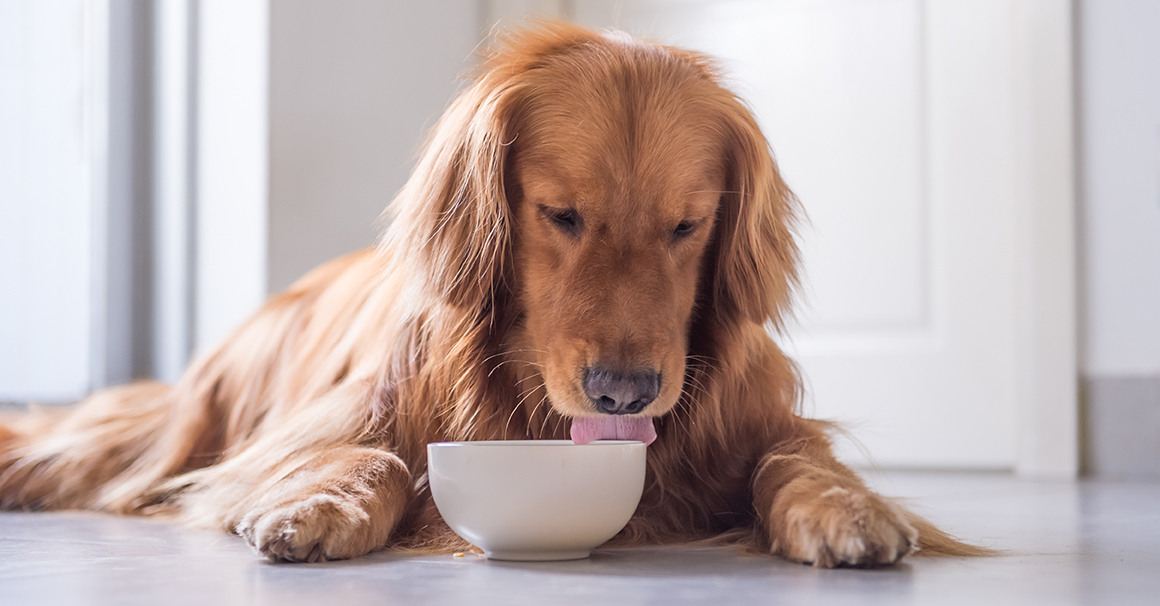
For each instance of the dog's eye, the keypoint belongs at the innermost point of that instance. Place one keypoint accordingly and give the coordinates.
(566, 219)
(683, 229)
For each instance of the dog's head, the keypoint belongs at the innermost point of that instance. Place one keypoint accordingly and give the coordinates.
(617, 194)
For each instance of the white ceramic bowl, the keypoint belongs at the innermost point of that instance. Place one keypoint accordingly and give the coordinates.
(536, 499)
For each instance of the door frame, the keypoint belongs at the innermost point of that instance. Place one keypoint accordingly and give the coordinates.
(1045, 77)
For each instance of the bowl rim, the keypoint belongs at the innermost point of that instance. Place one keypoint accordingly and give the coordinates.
(532, 443)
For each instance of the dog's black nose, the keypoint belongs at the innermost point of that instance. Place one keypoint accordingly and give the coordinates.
(619, 393)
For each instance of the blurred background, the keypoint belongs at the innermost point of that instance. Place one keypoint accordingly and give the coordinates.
(982, 180)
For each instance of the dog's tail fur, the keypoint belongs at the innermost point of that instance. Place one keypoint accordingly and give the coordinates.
(934, 542)
(83, 457)
(116, 449)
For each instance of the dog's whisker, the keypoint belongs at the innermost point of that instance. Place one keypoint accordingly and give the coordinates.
(532, 417)
(556, 427)
(712, 191)
(523, 397)
(528, 378)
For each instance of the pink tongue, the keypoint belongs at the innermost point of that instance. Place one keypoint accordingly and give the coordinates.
(590, 429)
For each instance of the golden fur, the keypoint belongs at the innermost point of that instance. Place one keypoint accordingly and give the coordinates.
(590, 198)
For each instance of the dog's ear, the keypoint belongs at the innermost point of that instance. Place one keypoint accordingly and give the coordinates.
(453, 215)
(756, 261)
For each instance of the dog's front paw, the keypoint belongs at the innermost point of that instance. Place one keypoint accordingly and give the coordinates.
(827, 525)
(321, 527)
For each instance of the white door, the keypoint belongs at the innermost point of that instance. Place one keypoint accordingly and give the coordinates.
(936, 321)
(49, 126)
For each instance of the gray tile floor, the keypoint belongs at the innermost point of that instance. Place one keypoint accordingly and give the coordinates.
(1068, 543)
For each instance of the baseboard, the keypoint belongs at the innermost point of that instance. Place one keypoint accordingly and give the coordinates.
(1121, 421)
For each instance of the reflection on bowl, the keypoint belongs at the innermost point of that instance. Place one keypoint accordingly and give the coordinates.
(536, 499)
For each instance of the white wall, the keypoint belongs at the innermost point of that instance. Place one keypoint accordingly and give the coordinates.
(354, 84)
(1120, 233)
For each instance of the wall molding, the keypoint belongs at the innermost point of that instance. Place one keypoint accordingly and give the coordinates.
(1121, 438)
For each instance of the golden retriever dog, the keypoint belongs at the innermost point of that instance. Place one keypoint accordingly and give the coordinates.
(594, 244)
